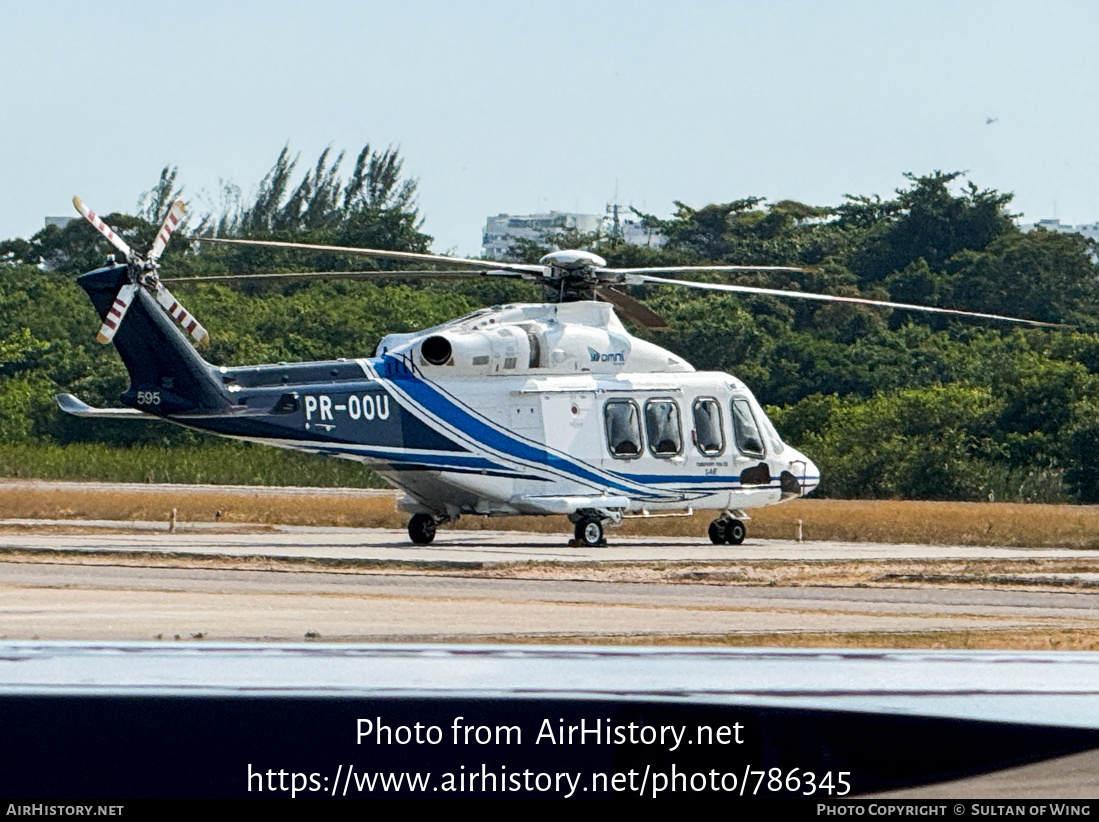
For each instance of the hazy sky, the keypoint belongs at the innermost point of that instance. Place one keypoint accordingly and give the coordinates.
(520, 107)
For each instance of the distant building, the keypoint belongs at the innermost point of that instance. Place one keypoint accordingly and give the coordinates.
(1089, 230)
(504, 230)
(622, 222)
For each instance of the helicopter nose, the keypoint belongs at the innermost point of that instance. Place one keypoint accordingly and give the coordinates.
(801, 477)
(811, 478)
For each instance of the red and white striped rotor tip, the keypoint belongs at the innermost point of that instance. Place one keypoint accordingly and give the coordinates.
(171, 223)
(182, 315)
(114, 317)
(103, 228)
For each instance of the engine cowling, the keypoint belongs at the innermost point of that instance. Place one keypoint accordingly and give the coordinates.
(505, 350)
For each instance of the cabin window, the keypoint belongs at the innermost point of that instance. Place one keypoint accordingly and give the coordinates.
(623, 423)
(709, 433)
(748, 438)
(662, 428)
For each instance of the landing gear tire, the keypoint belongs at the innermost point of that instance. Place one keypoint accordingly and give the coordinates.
(421, 529)
(589, 533)
(717, 532)
(735, 532)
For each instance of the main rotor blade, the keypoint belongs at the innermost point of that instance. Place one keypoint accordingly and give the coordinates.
(806, 295)
(103, 228)
(117, 311)
(630, 308)
(523, 269)
(181, 315)
(696, 269)
(339, 275)
(171, 223)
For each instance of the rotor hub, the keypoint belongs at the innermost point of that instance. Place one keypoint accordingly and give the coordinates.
(572, 274)
(572, 260)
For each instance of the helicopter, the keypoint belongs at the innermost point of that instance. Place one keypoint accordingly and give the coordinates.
(548, 408)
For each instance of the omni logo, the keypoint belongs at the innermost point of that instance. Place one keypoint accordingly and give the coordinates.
(617, 356)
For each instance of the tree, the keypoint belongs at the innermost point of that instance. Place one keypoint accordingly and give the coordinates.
(377, 203)
(154, 204)
(927, 222)
(1046, 275)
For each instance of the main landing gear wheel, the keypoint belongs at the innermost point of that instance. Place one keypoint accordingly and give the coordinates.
(421, 529)
(731, 531)
(589, 533)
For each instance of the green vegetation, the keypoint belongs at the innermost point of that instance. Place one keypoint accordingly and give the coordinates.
(891, 404)
(215, 463)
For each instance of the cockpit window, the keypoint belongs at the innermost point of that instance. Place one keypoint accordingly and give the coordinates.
(748, 438)
(709, 433)
(777, 445)
(623, 423)
(662, 427)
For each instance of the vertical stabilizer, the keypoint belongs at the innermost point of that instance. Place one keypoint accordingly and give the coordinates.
(167, 374)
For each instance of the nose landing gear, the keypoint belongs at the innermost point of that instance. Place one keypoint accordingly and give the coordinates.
(421, 529)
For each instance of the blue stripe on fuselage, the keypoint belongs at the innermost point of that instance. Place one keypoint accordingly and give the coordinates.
(445, 406)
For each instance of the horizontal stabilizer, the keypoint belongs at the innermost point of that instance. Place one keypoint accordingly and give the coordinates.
(78, 408)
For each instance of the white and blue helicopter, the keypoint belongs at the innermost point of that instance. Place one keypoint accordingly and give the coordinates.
(547, 409)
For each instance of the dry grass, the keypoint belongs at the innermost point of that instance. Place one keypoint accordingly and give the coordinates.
(941, 523)
(936, 523)
(358, 509)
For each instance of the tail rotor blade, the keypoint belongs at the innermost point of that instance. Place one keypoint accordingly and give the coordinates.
(182, 315)
(171, 223)
(117, 312)
(103, 228)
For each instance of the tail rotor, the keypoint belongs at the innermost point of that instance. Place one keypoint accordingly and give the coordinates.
(142, 272)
